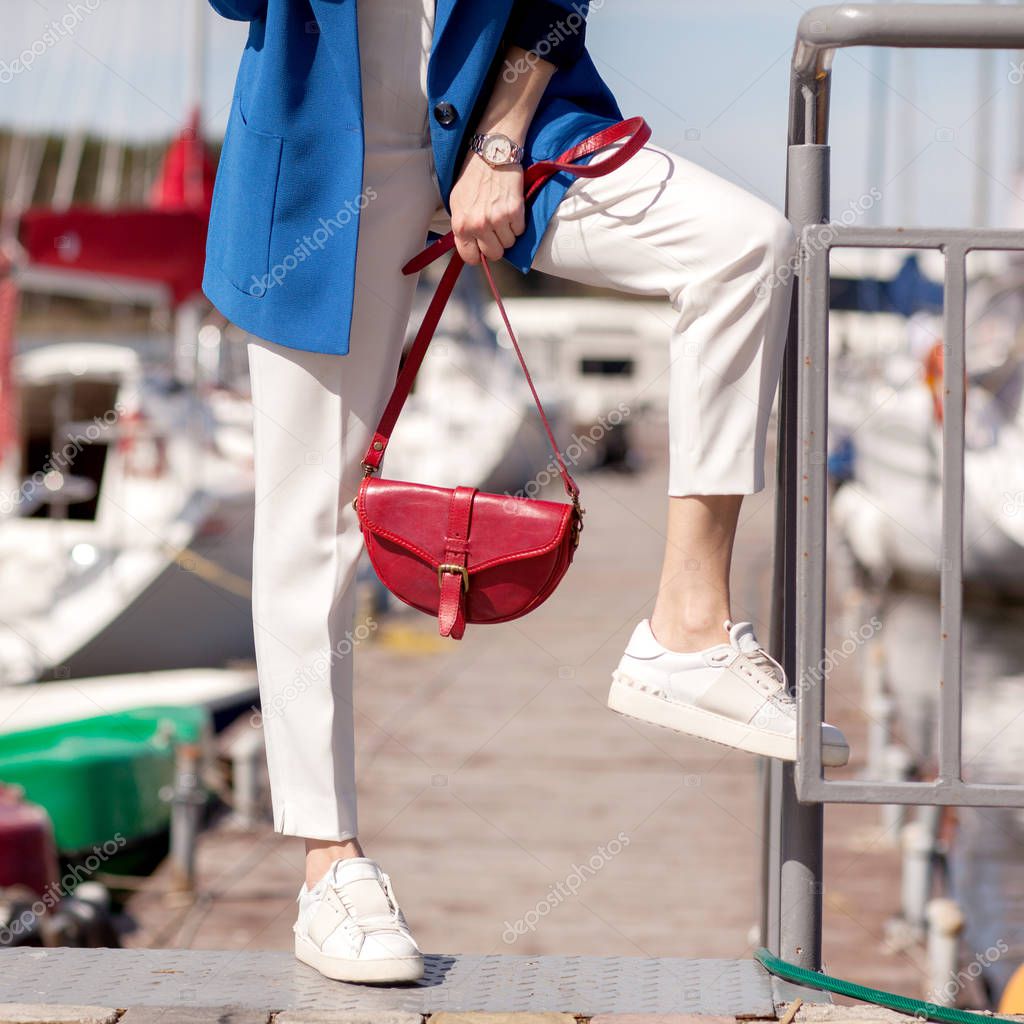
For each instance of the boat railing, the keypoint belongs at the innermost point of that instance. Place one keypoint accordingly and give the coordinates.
(794, 797)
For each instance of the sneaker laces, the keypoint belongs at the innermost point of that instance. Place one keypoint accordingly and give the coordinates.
(756, 661)
(396, 910)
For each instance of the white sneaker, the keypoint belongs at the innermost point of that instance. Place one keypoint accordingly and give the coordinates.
(733, 693)
(350, 927)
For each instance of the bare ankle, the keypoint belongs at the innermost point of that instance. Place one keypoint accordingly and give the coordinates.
(322, 853)
(689, 633)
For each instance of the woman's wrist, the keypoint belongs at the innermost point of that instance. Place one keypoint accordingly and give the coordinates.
(514, 102)
(515, 130)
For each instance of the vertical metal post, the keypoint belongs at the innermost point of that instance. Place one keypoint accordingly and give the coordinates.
(783, 590)
(765, 924)
(248, 758)
(916, 874)
(187, 803)
(945, 926)
(951, 569)
(780, 640)
(795, 875)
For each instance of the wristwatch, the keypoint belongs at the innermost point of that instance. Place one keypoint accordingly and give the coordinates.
(497, 149)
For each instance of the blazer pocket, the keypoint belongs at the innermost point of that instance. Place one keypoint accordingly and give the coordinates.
(242, 217)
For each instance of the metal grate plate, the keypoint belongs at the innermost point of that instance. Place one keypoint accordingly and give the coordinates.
(583, 985)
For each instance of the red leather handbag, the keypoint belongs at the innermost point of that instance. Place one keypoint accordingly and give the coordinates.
(458, 553)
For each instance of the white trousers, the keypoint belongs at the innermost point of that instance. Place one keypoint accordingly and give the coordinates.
(659, 226)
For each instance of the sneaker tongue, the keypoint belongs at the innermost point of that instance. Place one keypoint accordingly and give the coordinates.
(348, 869)
(741, 637)
(360, 880)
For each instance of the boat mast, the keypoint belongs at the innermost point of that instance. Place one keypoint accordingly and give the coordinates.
(195, 88)
(908, 145)
(188, 315)
(1018, 118)
(878, 129)
(983, 140)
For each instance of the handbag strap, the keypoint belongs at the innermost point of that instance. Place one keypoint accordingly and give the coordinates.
(636, 132)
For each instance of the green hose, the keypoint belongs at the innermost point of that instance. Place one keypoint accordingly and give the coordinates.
(902, 1004)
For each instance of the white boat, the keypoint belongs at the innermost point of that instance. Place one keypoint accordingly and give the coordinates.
(222, 691)
(128, 544)
(606, 351)
(885, 406)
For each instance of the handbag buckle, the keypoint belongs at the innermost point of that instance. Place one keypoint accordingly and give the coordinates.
(578, 520)
(452, 567)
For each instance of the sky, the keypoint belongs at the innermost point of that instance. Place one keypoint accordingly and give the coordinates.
(712, 78)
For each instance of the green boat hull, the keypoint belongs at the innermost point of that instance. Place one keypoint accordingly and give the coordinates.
(100, 778)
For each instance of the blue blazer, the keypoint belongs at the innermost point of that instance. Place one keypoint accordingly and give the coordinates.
(289, 182)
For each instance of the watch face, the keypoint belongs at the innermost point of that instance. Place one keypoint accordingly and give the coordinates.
(497, 149)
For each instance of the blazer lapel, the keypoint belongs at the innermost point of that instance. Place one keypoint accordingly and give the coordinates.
(442, 17)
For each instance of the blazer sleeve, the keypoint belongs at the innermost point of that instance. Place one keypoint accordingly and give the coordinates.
(239, 10)
(553, 29)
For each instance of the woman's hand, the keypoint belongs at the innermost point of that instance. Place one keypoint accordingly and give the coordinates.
(488, 212)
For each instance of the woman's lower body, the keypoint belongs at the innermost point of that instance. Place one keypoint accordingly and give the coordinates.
(659, 226)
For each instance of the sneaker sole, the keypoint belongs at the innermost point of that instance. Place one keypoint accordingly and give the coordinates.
(380, 972)
(627, 700)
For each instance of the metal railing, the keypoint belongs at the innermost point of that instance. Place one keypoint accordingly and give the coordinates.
(794, 796)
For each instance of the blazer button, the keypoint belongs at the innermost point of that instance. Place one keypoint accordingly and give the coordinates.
(446, 113)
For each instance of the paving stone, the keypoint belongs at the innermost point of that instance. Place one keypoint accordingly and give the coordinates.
(194, 1015)
(819, 1014)
(660, 1018)
(348, 1017)
(38, 1013)
(501, 1018)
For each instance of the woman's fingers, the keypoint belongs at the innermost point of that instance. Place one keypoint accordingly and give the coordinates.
(467, 248)
(518, 219)
(490, 245)
(506, 236)
(473, 238)
(490, 233)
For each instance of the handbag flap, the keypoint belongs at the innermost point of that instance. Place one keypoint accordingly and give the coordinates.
(502, 528)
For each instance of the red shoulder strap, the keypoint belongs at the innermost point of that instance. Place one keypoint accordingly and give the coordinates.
(636, 133)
